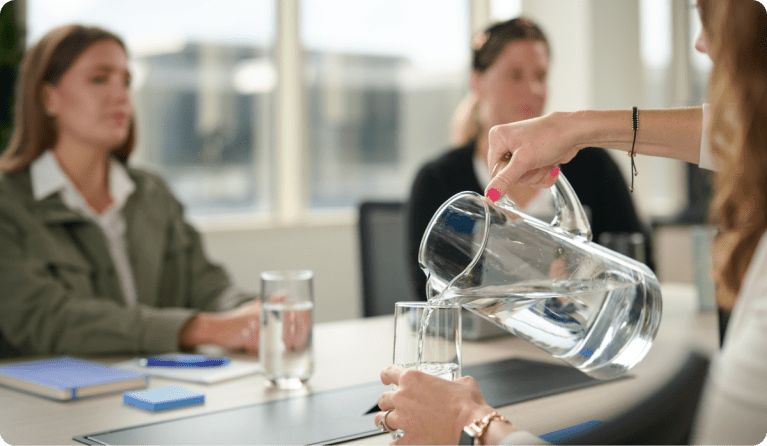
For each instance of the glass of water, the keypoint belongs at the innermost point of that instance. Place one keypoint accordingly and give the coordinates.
(427, 338)
(285, 341)
(630, 244)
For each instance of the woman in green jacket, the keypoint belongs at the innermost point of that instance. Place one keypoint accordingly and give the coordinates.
(95, 256)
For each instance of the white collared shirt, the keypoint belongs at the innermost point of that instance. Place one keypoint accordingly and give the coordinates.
(48, 178)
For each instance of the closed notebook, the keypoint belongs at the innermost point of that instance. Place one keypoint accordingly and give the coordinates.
(68, 378)
(162, 398)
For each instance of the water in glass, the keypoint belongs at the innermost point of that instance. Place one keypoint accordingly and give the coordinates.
(286, 343)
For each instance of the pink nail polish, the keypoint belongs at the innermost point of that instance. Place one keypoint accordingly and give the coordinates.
(493, 194)
(554, 171)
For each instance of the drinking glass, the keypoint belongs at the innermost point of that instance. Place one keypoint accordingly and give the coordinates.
(285, 341)
(630, 244)
(441, 341)
(702, 239)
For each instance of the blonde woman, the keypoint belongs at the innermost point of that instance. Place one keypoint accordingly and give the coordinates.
(95, 256)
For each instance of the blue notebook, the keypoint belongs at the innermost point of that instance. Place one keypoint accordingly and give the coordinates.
(162, 398)
(68, 378)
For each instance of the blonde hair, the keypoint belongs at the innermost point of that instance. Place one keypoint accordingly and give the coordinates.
(466, 121)
(45, 63)
(737, 32)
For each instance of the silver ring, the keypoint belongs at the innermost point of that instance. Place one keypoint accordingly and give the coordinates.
(382, 424)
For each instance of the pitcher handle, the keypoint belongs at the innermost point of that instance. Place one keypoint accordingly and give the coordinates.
(569, 215)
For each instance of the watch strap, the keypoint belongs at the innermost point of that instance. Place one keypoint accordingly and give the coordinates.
(467, 438)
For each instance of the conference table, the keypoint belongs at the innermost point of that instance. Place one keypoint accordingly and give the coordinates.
(354, 352)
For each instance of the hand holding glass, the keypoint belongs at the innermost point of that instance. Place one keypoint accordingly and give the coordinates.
(441, 343)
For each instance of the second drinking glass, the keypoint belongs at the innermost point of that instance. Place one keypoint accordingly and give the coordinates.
(286, 328)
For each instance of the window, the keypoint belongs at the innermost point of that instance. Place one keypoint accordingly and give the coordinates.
(203, 90)
(656, 49)
(382, 80)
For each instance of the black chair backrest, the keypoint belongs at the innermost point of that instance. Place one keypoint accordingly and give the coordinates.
(666, 417)
(383, 245)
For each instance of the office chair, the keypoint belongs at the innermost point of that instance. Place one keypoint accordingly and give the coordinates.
(383, 248)
(666, 417)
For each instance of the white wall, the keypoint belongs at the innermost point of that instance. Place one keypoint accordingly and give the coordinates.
(567, 25)
(331, 251)
(596, 64)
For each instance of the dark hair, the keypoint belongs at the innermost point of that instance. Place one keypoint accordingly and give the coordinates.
(488, 45)
(45, 63)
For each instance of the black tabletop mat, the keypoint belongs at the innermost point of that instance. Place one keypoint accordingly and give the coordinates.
(340, 414)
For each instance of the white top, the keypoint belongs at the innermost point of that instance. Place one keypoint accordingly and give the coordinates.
(542, 204)
(48, 178)
(706, 161)
(734, 404)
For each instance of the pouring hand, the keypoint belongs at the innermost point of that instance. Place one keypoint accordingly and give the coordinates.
(537, 146)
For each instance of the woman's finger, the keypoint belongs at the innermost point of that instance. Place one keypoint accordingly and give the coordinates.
(535, 177)
(551, 178)
(392, 374)
(391, 419)
(498, 146)
(518, 169)
(385, 401)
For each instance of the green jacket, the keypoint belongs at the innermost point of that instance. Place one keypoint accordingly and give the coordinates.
(60, 293)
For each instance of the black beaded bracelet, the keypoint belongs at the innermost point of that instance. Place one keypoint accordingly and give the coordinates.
(635, 126)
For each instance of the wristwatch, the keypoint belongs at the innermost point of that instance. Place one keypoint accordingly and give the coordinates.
(473, 433)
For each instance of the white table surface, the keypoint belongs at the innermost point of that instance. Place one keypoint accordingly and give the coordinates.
(354, 352)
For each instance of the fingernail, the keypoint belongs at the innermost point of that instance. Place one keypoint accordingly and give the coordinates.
(493, 194)
(554, 171)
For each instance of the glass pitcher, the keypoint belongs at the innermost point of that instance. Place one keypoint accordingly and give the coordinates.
(546, 283)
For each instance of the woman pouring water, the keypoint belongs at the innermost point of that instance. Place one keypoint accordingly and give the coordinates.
(510, 64)
(730, 135)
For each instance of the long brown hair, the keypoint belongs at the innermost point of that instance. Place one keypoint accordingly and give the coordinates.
(486, 47)
(737, 36)
(45, 63)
